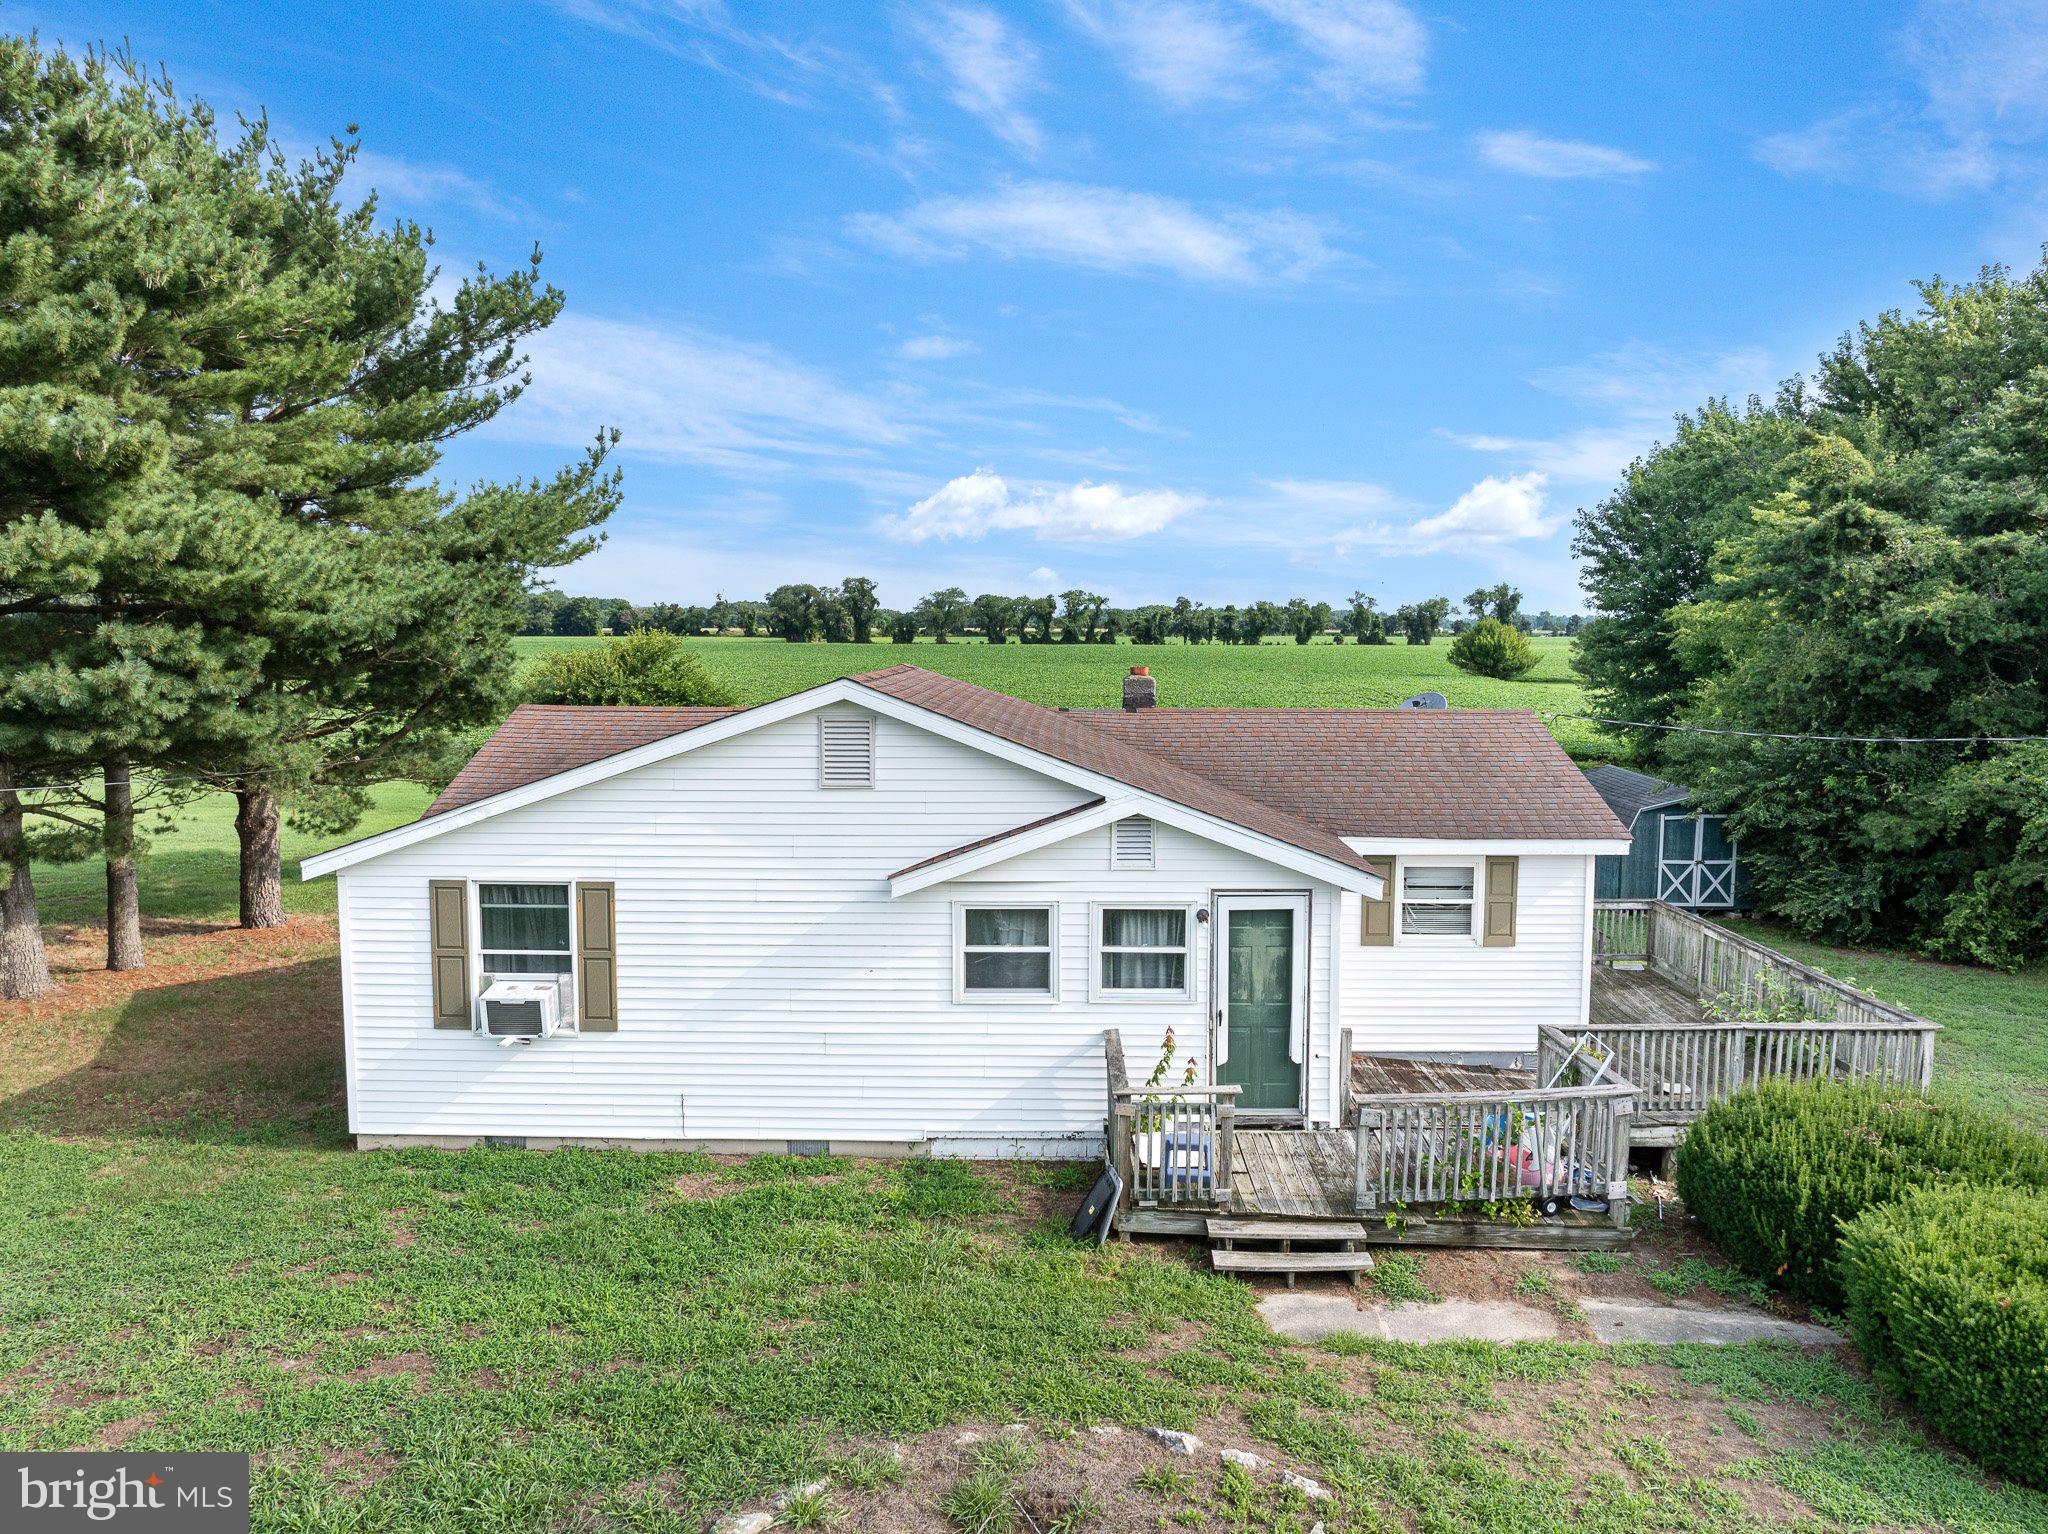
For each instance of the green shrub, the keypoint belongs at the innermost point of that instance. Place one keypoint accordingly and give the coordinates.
(1776, 1172)
(1493, 648)
(645, 667)
(1948, 1301)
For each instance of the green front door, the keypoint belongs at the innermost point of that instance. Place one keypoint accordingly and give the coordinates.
(1258, 989)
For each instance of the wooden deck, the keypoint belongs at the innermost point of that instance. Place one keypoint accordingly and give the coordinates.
(1635, 998)
(1374, 1074)
(1301, 1173)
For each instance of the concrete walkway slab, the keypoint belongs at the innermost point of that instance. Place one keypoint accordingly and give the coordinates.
(1311, 1317)
(1677, 1321)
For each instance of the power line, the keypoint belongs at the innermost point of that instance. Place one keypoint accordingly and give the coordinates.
(1843, 740)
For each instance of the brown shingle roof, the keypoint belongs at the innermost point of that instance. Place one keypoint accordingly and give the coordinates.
(1063, 736)
(1470, 773)
(1302, 776)
(539, 740)
(1000, 836)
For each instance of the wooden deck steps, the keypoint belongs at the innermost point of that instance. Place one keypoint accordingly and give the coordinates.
(1288, 1246)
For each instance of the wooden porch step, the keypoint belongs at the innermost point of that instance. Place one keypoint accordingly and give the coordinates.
(1238, 1261)
(1226, 1228)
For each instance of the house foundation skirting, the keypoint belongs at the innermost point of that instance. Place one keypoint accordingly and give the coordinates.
(959, 1147)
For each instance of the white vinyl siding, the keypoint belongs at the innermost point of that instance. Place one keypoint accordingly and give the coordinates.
(1423, 997)
(769, 987)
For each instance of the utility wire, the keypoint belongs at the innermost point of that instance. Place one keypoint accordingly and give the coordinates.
(1844, 740)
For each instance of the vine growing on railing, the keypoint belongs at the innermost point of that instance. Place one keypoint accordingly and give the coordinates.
(1154, 1118)
(1772, 1004)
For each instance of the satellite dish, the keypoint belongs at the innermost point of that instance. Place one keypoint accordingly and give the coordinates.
(1426, 700)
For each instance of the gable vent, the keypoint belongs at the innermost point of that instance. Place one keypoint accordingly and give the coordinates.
(846, 751)
(1130, 843)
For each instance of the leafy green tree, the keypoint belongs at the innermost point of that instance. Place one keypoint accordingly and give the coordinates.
(903, 628)
(1420, 621)
(1367, 625)
(1646, 550)
(793, 613)
(857, 596)
(941, 612)
(644, 667)
(994, 614)
(1493, 648)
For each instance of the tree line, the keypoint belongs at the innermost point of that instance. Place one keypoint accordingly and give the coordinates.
(1866, 554)
(851, 613)
(226, 565)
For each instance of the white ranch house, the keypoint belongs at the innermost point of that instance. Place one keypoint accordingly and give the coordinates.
(898, 913)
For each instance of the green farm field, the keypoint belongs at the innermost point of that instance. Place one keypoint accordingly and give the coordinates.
(1274, 675)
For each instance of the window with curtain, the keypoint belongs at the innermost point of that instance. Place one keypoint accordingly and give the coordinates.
(1143, 950)
(525, 929)
(1437, 899)
(1006, 951)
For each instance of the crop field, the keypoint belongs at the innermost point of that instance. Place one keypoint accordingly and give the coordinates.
(1282, 675)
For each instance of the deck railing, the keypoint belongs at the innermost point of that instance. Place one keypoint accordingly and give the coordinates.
(1504, 1146)
(1170, 1145)
(1780, 1020)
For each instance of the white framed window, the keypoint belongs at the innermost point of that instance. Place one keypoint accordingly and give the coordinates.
(1439, 899)
(1006, 951)
(1143, 952)
(524, 929)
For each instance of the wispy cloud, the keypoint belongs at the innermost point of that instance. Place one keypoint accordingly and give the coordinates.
(1637, 389)
(697, 397)
(705, 33)
(408, 184)
(1557, 159)
(935, 348)
(990, 69)
(1372, 48)
(1107, 230)
(1183, 51)
(1973, 118)
(975, 505)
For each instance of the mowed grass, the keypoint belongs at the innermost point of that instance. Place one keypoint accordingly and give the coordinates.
(571, 1341)
(189, 873)
(1993, 1049)
(1273, 675)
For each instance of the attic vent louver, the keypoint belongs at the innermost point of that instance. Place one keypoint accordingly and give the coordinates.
(846, 751)
(1130, 843)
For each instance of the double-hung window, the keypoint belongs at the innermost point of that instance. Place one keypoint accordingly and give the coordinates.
(1006, 952)
(1141, 953)
(1438, 899)
(525, 929)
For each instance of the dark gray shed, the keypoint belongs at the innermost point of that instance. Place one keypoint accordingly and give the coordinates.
(1676, 853)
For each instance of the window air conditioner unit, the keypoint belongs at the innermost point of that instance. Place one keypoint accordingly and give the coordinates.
(524, 1009)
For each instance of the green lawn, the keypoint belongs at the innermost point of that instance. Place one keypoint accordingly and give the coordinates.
(608, 1341)
(189, 875)
(1193, 676)
(1993, 1048)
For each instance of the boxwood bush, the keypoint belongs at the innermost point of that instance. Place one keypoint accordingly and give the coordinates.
(1776, 1172)
(1948, 1301)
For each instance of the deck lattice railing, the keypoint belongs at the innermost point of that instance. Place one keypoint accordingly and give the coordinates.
(1817, 1027)
(1170, 1145)
(1432, 1149)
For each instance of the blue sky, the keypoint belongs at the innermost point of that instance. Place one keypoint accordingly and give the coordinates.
(1224, 298)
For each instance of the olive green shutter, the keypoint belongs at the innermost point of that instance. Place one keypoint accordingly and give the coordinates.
(1376, 917)
(448, 931)
(1502, 875)
(597, 958)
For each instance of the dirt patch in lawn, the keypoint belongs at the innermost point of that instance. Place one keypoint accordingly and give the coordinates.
(223, 1026)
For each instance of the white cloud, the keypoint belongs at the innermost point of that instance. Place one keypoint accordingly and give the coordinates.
(1352, 496)
(1495, 510)
(688, 394)
(1594, 455)
(1105, 229)
(1653, 381)
(1043, 576)
(975, 505)
(991, 67)
(1185, 52)
(935, 348)
(1556, 159)
(1368, 47)
(1980, 68)
(406, 183)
